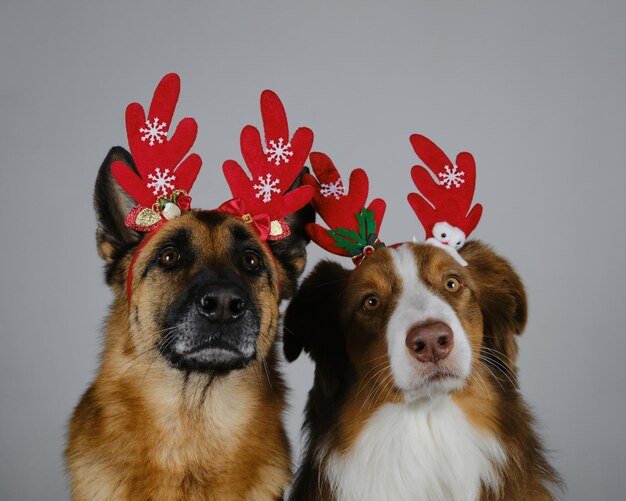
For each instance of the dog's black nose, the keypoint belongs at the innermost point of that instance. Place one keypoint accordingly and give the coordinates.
(222, 304)
(430, 342)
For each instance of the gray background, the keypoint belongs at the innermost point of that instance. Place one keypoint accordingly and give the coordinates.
(536, 90)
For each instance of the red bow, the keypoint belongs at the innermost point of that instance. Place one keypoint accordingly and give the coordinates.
(260, 222)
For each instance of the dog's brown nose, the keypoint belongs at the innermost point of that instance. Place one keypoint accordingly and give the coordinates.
(430, 342)
(222, 305)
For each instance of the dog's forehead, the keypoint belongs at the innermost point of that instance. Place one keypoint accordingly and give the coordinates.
(375, 272)
(408, 260)
(210, 232)
(424, 262)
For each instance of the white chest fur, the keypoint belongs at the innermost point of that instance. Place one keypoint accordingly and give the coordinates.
(416, 452)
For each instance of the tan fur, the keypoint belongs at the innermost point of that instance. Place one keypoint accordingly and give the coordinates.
(146, 431)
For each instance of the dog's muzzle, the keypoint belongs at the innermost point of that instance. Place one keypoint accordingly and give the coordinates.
(214, 326)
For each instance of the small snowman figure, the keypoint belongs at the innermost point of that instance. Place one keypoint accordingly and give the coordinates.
(449, 238)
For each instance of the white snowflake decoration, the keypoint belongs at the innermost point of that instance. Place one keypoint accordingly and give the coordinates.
(154, 131)
(452, 177)
(335, 189)
(161, 182)
(266, 187)
(278, 152)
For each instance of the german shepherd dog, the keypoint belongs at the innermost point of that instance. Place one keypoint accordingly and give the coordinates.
(188, 401)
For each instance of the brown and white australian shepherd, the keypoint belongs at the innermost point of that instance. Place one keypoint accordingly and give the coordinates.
(415, 394)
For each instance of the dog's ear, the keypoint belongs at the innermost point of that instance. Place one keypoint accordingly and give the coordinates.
(312, 320)
(290, 252)
(112, 204)
(501, 296)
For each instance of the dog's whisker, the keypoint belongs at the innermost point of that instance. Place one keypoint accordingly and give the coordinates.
(365, 378)
(169, 332)
(495, 356)
(482, 381)
(148, 368)
(379, 386)
(494, 377)
(506, 372)
(499, 353)
(386, 380)
(376, 382)
(502, 368)
(257, 374)
(144, 352)
(267, 374)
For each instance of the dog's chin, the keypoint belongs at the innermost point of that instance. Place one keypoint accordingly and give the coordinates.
(197, 345)
(211, 359)
(211, 353)
(434, 383)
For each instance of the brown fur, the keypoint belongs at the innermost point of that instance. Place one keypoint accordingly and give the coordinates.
(356, 379)
(147, 430)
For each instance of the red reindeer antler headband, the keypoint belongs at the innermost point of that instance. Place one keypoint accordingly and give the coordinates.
(353, 227)
(443, 205)
(275, 164)
(164, 177)
(164, 180)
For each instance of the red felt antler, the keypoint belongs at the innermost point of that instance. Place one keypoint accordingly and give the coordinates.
(163, 179)
(353, 228)
(274, 166)
(163, 174)
(447, 200)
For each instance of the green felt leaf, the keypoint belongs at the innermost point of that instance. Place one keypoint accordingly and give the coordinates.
(346, 234)
(353, 242)
(367, 223)
(350, 246)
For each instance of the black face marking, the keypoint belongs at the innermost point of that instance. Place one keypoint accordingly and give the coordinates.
(213, 323)
(239, 233)
(212, 218)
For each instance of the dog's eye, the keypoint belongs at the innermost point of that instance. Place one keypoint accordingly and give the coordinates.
(169, 257)
(250, 260)
(453, 284)
(371, 303)
(443, 235)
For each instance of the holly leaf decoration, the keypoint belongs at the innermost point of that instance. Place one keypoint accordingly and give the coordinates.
(367, 223)
(352, 241)
(347, 239)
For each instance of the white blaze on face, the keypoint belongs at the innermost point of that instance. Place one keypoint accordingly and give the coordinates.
(449, 235)
(417, 304)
